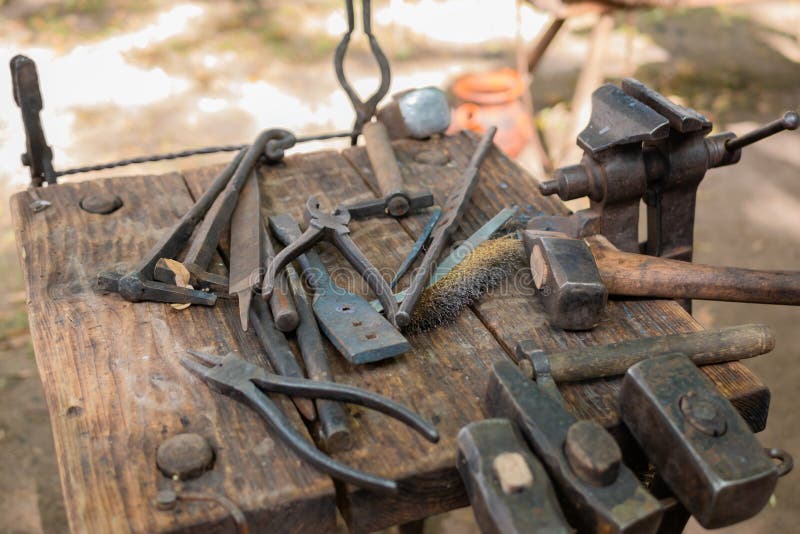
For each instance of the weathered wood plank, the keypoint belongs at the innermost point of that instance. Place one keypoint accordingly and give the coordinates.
(115, 388)
(512, 312)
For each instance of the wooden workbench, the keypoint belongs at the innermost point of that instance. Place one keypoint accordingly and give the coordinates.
(115, 389)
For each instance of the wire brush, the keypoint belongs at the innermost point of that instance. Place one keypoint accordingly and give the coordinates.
(481, 270)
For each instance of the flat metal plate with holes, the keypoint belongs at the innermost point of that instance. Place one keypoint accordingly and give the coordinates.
(508, 488)
(696, 439)
(620, 506)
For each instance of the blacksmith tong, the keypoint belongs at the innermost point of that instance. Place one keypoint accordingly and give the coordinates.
(332, 228)
(250, 384)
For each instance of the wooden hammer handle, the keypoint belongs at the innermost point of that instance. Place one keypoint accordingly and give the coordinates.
(382, 158)
(639, 275)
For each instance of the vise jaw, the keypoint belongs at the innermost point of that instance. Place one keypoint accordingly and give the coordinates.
(641, 146)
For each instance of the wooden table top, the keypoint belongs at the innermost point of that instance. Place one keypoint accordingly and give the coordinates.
(115, 388)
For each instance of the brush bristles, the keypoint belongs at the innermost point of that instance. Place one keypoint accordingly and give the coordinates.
(483, 269)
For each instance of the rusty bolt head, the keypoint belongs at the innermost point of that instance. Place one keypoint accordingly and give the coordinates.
(102, 203)
(702, 413)
(397, 206)
(592, 453)
(184, 456)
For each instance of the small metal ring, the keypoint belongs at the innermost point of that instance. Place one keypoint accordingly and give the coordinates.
(786, 460)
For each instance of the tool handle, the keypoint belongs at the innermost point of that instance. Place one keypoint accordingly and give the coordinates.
(705, 347)
(789, 121)
(307, 451)
(278, 352)
(281, 303)
(384, 165)
(638, 275)
(332, 416)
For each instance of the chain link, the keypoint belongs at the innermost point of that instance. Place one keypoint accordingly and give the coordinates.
(187, 153)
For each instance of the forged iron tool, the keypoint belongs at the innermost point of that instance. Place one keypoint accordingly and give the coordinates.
(697, 441)
(417, 113)
(246, 247)
(139, 284)
(508, 488)
(453, 209)
(281, 303)
(364, 109)
(205, 241)
(250, 384)
(575, 276)
(598, 492)
(332, 228)
(278, 352)
(639, 145)
(332, 416)
(38, 156)
(359, 332)
(706, 347)
(419, 244)
(250, 251)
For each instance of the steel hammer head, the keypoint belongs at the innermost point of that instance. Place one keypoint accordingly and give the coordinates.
(566, 275)
(416, 113)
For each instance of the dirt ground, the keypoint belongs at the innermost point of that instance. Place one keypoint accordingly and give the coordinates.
(125, 78)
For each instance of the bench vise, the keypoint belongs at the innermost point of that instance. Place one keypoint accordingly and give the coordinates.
(639, 145)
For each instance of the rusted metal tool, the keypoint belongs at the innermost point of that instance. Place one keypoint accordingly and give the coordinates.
(453, 209)
(697, 441)
(481, 235)
(574, 278)
(417, 113)
(38, 156)
(205, 241)
(246, 247)
(419, 244)
(332, 228)
(281, 303)
(250, 384)
(706, 347)
(278, 352)
(139, 284)
(640, 145)
(332, 416)
(250, 252)
(508, 489)
(364, 109)
(356, 329)
(598, 492)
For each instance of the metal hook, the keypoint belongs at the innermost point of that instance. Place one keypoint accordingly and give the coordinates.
(786, 460)
(364, 109)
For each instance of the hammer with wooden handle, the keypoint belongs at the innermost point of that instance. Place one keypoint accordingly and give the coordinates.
(574, 278)
(417, 114)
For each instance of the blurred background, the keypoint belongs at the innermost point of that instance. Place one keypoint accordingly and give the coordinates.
(122, 78)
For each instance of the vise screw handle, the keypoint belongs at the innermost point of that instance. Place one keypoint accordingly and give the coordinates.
(789, 121)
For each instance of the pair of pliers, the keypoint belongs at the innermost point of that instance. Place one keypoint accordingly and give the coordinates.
(332, 228)
(250, 384)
